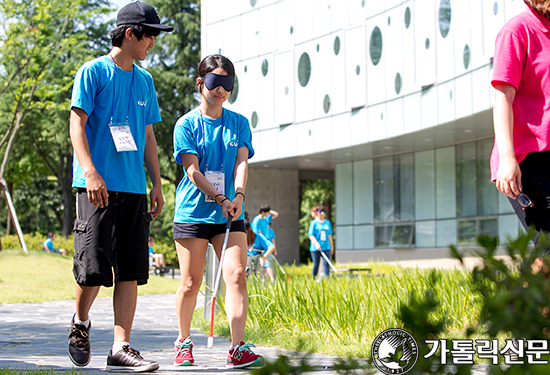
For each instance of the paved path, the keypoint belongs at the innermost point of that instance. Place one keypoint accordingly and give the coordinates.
(34, 335)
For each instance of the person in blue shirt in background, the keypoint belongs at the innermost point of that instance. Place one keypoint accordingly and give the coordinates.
(213, 145)
(320, 235)
(48, 245)
(260, 226)
(268, 267)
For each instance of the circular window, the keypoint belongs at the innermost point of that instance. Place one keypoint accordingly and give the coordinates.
(235, 92)
(357, 70)
(466, 56)
(291, 29)
(389, 21)
(265, 67)
(304, 69)
(317, 48)
(444, 17)
(427, 43)
(326, 103)
(407, 17)
(397, 83)
(336, 45)
(254, 120)
(375, 45)
(495, 8)
(287, 90)
(245, 68)
(253, 3)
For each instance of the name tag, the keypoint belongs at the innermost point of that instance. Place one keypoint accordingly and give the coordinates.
(323, 235)
(217, 180)
(122, 136)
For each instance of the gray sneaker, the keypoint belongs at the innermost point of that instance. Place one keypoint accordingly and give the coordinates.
(129, 360)
(79, 344)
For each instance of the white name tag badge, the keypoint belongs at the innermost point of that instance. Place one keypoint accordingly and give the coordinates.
(323, 235)
(217, 180)
(122, 136)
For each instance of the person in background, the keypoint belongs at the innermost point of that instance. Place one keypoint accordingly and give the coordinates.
(320, 235)
(48, 245)
(261, 243)
(158, 258)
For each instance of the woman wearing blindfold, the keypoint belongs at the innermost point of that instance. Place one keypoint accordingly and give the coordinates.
(213, 144)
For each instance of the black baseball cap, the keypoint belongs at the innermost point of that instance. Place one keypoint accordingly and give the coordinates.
(140, 13)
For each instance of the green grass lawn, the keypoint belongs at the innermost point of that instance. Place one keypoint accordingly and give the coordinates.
(41, 276)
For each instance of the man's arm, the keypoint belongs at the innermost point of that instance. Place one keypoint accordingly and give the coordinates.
(95, 185)
(152, 165)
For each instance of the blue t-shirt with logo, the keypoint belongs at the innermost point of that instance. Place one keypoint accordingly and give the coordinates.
(320, 231)
(105, 91)
(214, 142)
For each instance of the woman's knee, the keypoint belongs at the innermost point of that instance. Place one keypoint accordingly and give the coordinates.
(190, 286)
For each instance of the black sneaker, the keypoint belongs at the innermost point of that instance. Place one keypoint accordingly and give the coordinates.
(79, 344)
(129, 360)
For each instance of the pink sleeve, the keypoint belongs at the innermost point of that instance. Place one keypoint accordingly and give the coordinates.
(509, 59)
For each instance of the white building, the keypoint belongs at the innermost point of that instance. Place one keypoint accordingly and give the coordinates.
(392, 98)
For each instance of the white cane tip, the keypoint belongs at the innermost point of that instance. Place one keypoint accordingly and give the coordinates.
(210, 342)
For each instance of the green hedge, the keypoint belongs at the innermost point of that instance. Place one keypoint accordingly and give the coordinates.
(34, 242)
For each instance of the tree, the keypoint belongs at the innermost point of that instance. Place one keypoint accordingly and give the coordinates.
(43, 44)
(174, 68)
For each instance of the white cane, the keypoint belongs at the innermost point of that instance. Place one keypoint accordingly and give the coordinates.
(328, 261)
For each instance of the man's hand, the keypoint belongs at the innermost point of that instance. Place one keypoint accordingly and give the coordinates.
(96, 189)
(157, 201)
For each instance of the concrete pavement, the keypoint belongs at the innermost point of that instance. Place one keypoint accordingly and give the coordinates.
(34, 335)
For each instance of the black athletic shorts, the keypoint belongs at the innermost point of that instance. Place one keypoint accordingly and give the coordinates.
(112, 239)
(205, 231)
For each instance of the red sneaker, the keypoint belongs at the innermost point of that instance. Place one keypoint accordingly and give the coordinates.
(242, 356)
(184, 352)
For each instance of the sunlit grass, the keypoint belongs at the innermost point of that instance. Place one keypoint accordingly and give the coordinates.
(40, 276)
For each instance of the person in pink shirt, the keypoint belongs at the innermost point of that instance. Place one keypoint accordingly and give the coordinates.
(520, 161)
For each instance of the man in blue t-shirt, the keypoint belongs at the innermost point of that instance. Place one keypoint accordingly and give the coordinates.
(261, 243)
(113, 107)
(48, 245)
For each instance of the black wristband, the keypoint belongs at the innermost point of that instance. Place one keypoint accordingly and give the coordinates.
(241, 193)
(223, 200)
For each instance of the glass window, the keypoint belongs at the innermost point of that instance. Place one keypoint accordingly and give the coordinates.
(405, 188)
(235, 93)
(508, 228)
(444, 17)
(425, 234)
(326, 103)
(363, 237)
(304, 69)
(254, 120)
(382, 236)
(363, 192)
(487, 193)
(397, 83)
(446, 233)
(402, 235)
(467, 232)
(344, 237)
(337, 45)
(384, 184)
(344, 193)
(407, 17)
(445, 183)
(375, 45)
(466, 189)
(424, 185)
(466, 55)
(488, 227)
(265, 67)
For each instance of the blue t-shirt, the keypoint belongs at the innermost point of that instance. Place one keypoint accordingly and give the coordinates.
(270, 234)
(320, 231)
(260, 226)
(103, 90)
(49, 244)
(224, 136)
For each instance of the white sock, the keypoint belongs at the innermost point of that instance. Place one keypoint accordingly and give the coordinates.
(85, 323)
(117, 346)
